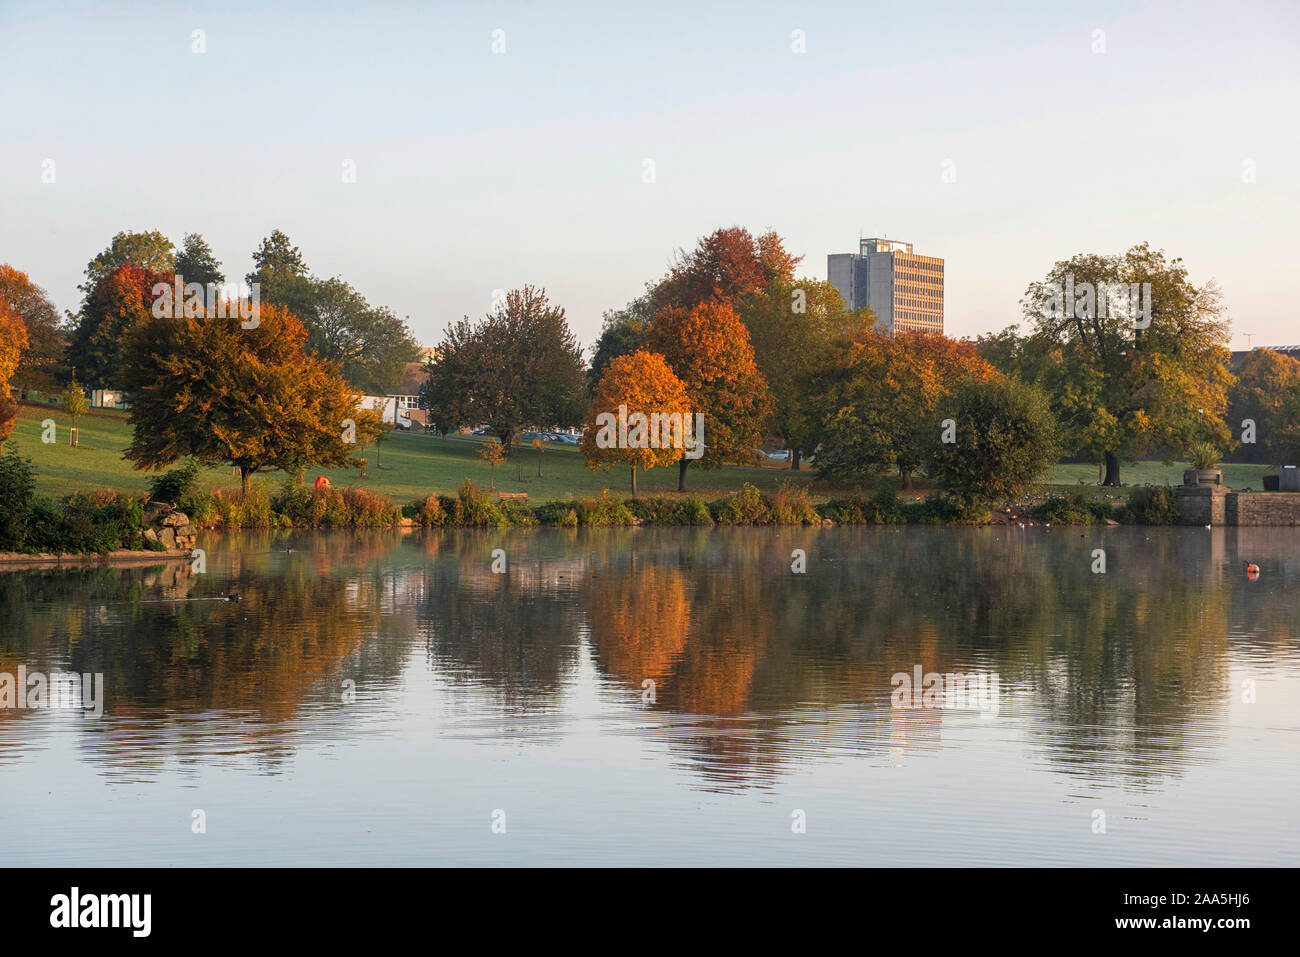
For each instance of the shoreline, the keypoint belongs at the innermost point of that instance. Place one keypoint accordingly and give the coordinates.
(121, 556)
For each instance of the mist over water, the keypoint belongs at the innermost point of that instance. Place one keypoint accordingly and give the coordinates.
(376, 697)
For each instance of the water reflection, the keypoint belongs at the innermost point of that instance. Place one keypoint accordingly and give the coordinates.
(1122, 679)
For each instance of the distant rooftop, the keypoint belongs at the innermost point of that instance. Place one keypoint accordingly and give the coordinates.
(875, 245)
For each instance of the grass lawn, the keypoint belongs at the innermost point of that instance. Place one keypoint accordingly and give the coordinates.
(415, 464)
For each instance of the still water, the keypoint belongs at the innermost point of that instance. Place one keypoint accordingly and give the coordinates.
(665, 696)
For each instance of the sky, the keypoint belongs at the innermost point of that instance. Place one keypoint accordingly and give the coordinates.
(1000, 137)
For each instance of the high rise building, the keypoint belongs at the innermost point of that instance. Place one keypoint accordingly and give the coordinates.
(903, 289)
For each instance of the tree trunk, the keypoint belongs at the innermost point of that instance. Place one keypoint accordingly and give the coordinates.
(794, 459)
(246, 478)
(681, 474)
(905, 478)
(634, 481)
(506, 438)
(1112, 470)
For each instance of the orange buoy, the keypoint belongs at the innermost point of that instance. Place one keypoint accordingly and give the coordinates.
(322, 482)
(1252, 570)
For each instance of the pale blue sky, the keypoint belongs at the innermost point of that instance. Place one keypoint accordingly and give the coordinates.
(478, 171)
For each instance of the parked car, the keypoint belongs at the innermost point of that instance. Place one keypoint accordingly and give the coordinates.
(482, 430)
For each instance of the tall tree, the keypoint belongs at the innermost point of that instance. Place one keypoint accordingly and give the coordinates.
(1125, 384)
(793, 327)
(115, 306)
(196, 262)
(1265, 380)
(371, 344)
(40, 366)
(640, 383)
(252, 398)
(1003, 441)
(519, 366)
(725, 265)
(13, 340)
(282, 277)
(877, 402)
(150, 250)
(708, 348)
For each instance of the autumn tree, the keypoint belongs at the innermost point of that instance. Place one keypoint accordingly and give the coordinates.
(493, 452)
(253, 398)
(1265, 381)
(1001, 441)
(725, 265)
(39, 366)
(875, 404)
(74, 402)
(709, 350)
(150, 250)
(793, 327)
(519, 366)
(114, 309)
(652, 401)
(1126, 381)
(196, 262)
(13, 340)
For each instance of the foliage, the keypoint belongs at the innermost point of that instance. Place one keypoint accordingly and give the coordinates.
(74, 402)
(13, 340)
(876, 402)
(205, 387)
(41, 360)
(370, 343)
(196, 262)
(17, 495)
(725, 265)
(1204, 455)
(642, 383)
(150, 250)
(881, 509)
(622, 333)
(1004, 442)
(793, 327)
(709, 350)
(175, 484)
(1121, 388)
(519, 366)
(1267, 384)
(1074, 509)
(117, 307)
(660, 510)
(1152, 506)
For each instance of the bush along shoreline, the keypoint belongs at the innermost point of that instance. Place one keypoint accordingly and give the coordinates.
(166, 518)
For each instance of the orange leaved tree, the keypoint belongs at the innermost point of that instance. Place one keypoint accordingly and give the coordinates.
(708, 348)
(638, 416)
(13, 340)
(205, 386)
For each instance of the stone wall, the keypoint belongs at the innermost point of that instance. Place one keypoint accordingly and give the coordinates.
(1263, 508)
(1201, 504)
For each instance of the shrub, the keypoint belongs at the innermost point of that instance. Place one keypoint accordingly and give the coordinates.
(430, 513)
(1076, 509)
(791, 504)
(880, 509)
(17, 495)
(245, 511)
(603, 512)
(745, 507)
(1005, 441)
(1152, 506)
(174, 484)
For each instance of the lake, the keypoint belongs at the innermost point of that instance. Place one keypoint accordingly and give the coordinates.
(666, 696)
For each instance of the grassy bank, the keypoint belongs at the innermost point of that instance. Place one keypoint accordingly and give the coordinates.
(416, 465)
